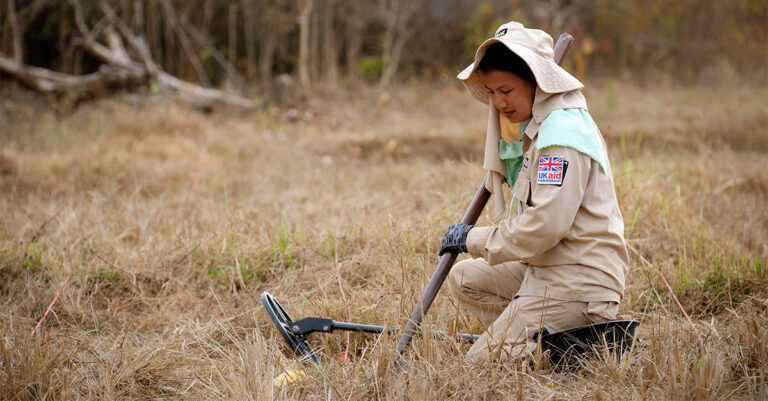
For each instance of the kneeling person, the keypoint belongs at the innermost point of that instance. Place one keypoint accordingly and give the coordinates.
(559, 259)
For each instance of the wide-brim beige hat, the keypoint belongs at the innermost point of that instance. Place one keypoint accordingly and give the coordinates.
(535, 47)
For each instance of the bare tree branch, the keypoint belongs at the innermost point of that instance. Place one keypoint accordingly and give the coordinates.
(28, 14)
(193, 59)
(114, 55)
(304, 18)
(202, 41)
(399, 31)
(250, 37)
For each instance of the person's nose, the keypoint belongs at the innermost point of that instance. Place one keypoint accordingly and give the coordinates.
(499, 101)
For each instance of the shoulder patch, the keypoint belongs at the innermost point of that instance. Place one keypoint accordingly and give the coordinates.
(551, 170)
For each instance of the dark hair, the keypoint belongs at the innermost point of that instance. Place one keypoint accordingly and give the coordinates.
(499, 57)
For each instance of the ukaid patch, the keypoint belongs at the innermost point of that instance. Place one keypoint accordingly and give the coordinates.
(551, 170)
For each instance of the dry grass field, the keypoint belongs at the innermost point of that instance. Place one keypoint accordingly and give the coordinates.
(171, 222)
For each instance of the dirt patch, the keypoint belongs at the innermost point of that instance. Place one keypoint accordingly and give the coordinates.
(427, 147)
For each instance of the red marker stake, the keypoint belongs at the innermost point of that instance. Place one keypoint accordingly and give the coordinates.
(693, 326)
(50, 307)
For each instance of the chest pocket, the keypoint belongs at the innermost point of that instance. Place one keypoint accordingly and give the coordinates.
(521, 193)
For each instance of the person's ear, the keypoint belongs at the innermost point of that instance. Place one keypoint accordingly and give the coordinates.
(532, 87)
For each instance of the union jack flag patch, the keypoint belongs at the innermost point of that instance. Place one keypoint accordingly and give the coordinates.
(551, 170)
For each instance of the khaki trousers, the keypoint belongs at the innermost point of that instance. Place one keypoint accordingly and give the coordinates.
(489, 293)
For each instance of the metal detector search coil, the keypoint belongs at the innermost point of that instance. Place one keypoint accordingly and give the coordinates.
(298, 342)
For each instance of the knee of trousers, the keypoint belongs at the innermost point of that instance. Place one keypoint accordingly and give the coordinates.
(502, 353)
(457, 274)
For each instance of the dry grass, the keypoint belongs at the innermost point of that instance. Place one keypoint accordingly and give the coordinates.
(172, 222)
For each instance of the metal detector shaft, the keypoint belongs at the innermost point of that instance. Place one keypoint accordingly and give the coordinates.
(365, 328)
(309, 325)
(470, 217)
(369, 328)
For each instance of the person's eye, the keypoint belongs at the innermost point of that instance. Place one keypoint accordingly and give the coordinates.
(507, 92)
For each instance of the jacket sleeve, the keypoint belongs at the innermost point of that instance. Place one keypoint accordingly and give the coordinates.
(547, 218)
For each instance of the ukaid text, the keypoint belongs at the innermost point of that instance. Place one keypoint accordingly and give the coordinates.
(551, 170)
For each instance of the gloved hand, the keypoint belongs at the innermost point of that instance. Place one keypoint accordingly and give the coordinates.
(455, 239)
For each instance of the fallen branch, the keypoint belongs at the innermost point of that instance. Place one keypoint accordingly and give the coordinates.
(47, 81)
(200, 95)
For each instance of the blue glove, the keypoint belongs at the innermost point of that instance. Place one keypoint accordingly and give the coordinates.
(455, 239)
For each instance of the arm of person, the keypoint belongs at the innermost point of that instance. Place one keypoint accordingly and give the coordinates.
(548, 217)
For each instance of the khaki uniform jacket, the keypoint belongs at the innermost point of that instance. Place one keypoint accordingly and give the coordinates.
(571, 235)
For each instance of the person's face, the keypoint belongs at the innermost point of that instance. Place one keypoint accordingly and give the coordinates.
(510, 94)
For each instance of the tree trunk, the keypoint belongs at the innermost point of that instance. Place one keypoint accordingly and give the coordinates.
(250, 37)
(205, 29)
(152, 30)
(18, 51)
(390, 24)
(354, 38)
(138, 15)
(169, 63)
(266, 60)
(65, 52)
(304, 21)
(232, 25)
(275, 19)
(390, 68)
(315, 28)
(3, 32)
(329, 43)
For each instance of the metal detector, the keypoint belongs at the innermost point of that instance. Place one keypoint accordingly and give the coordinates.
(567, 349)
(295, 333)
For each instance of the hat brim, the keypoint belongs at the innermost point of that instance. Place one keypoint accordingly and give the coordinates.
(550, 77)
